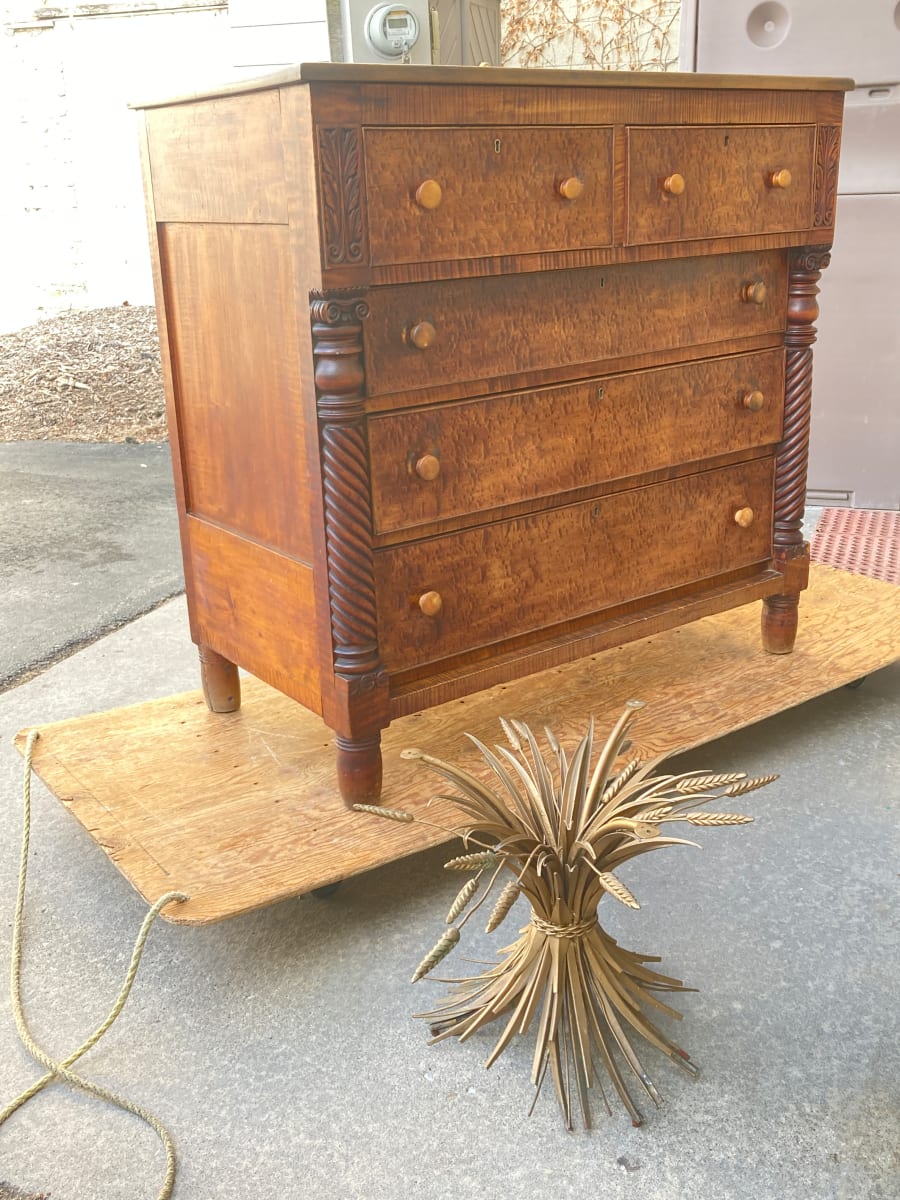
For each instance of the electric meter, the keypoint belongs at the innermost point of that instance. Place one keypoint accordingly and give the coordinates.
(392, 30)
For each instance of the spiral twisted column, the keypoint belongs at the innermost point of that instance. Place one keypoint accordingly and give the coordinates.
(789, 551)
(340, 402)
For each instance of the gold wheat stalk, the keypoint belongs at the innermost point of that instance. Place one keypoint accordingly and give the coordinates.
(749, 785)
(399, 814)
(565, 823)
(714, 818)
(464, 895)
(484, 896)
(501, 909)
(702, 783)
(438, 952)
(472, 862)
(389, 814)
(615, 887)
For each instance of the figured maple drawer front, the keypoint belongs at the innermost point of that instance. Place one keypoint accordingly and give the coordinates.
(430, 464)
(422, 334)
(718, 181)
(435, 194)
(441, 596)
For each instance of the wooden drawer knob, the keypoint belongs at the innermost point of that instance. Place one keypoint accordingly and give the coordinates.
(431, 603)
(429, 194)
(754, 401)
(428, 467)
(754, 293)
(744, 517)
(571, 189)
(779, 179)
(422, 335)
(674, 185)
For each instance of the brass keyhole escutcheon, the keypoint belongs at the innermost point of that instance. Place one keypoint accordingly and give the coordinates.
(430, 603)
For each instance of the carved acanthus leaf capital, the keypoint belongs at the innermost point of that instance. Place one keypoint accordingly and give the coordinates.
(811, 259)
(339, 306)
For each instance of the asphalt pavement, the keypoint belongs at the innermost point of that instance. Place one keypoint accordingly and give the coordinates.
(88, 541)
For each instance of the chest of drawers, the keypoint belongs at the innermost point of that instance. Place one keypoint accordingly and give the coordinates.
(473, 372)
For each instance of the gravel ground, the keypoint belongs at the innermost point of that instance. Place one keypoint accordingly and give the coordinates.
(84, 376)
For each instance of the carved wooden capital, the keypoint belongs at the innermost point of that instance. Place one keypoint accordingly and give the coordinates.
(341, 306)
(338, 353)
(343, 226)
(806, 267)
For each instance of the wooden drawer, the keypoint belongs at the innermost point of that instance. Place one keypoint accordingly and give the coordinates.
(732, 177)
(431, 464)
(513, 577)
(486, 191)
(478, 329)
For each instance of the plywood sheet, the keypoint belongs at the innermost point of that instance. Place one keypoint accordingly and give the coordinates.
(241, 810)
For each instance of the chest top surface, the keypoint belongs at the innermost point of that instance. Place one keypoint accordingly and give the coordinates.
(408, 174)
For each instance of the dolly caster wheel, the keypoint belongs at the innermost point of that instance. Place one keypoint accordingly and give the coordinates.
(857, 683)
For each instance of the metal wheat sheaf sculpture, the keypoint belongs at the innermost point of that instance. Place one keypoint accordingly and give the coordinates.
(557, 834)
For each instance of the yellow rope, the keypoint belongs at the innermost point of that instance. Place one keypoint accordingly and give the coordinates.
(60, 1070)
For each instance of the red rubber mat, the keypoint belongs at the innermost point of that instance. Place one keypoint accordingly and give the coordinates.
(859, 540)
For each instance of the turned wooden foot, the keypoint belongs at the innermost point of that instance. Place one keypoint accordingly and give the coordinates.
(220, 680)
(359, 769)
(779, 623)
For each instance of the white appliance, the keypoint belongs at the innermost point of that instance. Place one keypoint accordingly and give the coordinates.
(855, 441)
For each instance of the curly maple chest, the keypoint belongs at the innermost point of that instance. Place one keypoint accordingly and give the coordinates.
(472, 372)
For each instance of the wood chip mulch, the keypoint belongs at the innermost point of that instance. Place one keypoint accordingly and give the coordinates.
(83, 376)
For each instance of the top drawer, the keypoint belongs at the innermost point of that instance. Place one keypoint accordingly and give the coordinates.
(717, 181)
(447, 193)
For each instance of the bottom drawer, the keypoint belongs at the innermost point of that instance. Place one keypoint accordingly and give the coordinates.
(443, 596)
